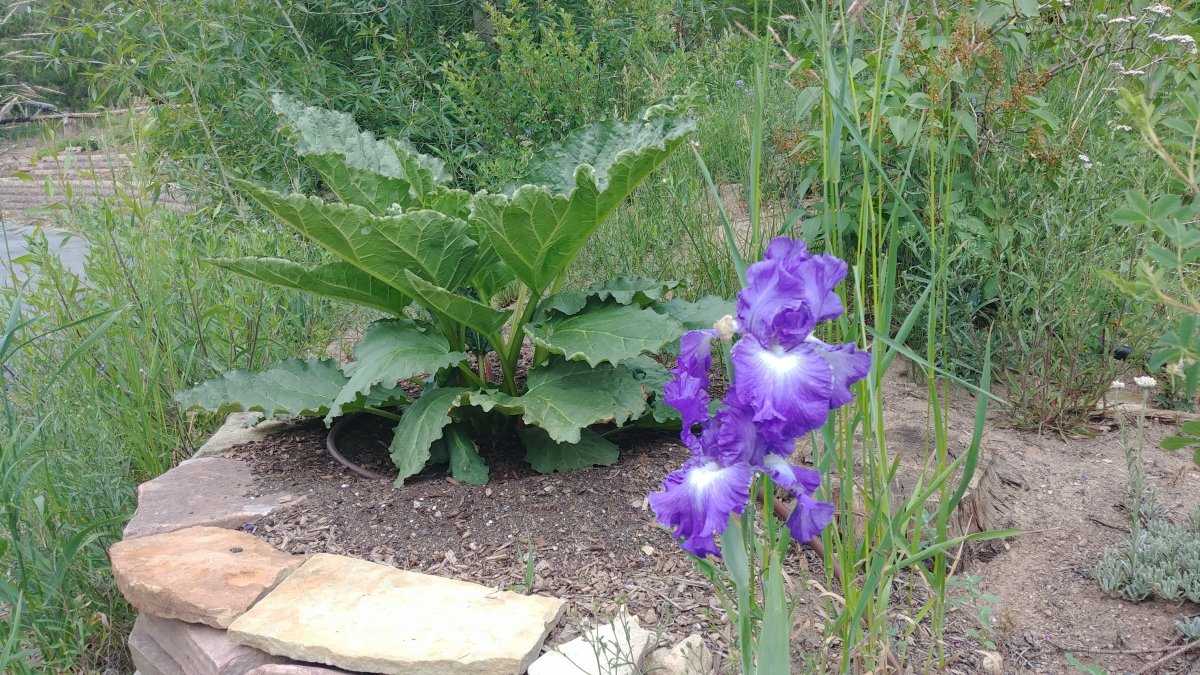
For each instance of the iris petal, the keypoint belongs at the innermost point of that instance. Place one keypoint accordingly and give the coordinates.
(798, 479)
(809, 517)
(695, 352)
(788, 389)
(687, 394)
(697, 500)
(848, 365)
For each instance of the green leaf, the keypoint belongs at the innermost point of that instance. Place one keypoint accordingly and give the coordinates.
(1173, 443)
(1191, 428)
(1027, 8)
(360, 169)
(774, 646)
(465, 463)
(291, 387)
(966, 118)
(432, 245)
(390, 352)
(539, 228)
(421, 425)
(605, 332)
(563, 397)
(622, 290)
(460, 308)
(546, 455)
(338, 280)
(702, 313)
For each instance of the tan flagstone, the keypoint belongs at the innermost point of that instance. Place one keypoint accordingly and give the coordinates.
(363, 616)
(201, 574)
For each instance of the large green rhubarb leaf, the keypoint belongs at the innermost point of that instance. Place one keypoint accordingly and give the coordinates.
(465, 463)
(622, 290)
(540, 227)
(421, 425)
(605, 332)
(546, 455)
(459, 308)
(390, 352)
(359, 168)
(338, 280)
(702, 313)
(563, 397)
(432, 245)
(292, 387)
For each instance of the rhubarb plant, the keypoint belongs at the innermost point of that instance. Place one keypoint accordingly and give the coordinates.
(547, 368)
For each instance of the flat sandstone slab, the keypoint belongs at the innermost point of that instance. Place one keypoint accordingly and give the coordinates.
(191, 649)
(201, 574)
(362, 616)
(213, 491)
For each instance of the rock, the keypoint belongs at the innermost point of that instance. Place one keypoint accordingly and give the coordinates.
(362, 616)
(209, 491)
(294, 669)
(194, 649)
(202, 574)
(616, 648)
(239, 428)
(148, 656)
(690, 657)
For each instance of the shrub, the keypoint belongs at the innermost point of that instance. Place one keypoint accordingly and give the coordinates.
(402, 237)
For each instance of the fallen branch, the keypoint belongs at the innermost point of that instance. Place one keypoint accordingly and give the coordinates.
(1169, 658)
(71, 115)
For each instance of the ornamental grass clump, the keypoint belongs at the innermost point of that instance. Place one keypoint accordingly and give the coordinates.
(783, 384)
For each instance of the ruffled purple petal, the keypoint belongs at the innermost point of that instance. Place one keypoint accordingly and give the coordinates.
(689, 395)
(788, 292)
(695, 353)
(698, 499)
(848, 365)
(800, 480)
(788, 390)
(809, 518)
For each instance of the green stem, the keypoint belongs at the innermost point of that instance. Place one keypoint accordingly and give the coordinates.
(382, 413)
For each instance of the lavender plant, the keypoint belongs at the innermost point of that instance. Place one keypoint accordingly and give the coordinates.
(783, 384)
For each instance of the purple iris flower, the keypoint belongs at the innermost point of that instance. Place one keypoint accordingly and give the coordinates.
(785, 383)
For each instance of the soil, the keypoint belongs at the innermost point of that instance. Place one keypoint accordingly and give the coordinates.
(593, 541)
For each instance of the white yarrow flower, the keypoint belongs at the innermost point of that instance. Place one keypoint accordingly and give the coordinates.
(1133, 71)
(1161, 10)
(1117, 384)
(1119, 127)
(1122, 19)
(1145, 382)
(1086, 161)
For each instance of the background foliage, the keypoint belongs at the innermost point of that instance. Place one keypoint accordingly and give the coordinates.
(973, 162)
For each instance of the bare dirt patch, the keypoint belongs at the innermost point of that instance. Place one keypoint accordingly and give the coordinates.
(594, 542)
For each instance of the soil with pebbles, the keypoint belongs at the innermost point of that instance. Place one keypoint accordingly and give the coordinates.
(594, 542)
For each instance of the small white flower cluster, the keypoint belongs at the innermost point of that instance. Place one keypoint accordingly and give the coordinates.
(1161, 10)
(1123, 19)
(1117, 384)
(1086, 161)
(1145, 382)
(1133, 71)
(1119, 127)
(1181, 39)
